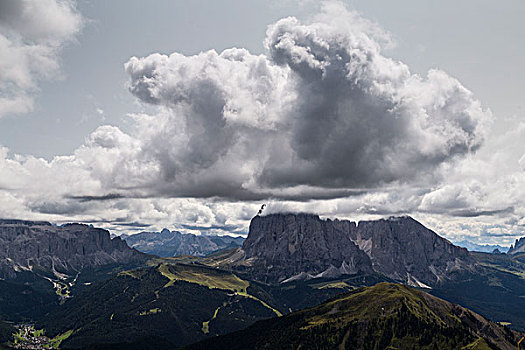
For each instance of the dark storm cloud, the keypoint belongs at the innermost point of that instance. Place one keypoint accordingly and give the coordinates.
(105, 197)
(345, 130)
(227, 191)
(119, 222)
(131, 224)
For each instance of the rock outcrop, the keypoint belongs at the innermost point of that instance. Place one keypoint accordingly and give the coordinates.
(170, 243)
(28, 245)
(405, 250)
(518, 247)
(284, 247)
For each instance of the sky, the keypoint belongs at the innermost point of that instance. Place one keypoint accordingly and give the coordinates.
(192, 114)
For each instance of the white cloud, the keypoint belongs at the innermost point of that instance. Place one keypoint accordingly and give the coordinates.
(32, 34)
(322, 122)
(322, 109)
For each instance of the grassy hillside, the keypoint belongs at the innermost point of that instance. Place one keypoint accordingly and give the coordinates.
(177, 303)
(496, 290)
(514, 264)
(185, 299)
(386, 316)
(205, 276)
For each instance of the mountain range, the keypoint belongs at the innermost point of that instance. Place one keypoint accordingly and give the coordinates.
(91, 291)
(170, 243)
(286, 247)
(484, 248)
(60, 250)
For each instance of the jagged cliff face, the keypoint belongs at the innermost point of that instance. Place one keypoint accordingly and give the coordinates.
(518, 247)
(170, 243)
(25, 245)
(405, 250)
(283, 247)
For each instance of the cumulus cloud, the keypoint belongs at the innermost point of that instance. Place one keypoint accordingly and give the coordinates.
(323, 108)
(489, 187)
(32, 33)
(322, 122)
(321, 114)
(468, 199)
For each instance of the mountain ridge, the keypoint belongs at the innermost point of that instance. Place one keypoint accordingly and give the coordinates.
(285, 246)
(383, 316)
(483, 248)
(168, 243)
(26, 245)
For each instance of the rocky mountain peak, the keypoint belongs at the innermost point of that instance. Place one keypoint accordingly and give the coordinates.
(280, 247)
(284, 246)
(518, 247)
(25, 245)
(170, 243)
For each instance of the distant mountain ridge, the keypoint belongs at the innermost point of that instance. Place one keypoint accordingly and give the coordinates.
(284, 247)
(26, 245)
(170, 243)
(484, 248)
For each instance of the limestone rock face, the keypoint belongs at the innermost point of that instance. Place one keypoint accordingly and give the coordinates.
(282, 247)
(518, 247)
(405, 250)
(25, 245)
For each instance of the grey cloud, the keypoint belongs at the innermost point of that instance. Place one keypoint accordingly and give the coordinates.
(133, 224)
(324, 109)
(105, 197)
(62, 207)
(10, 13)
(226, 228)
(119, 222)
(472, 212)
(39, 21)
(322, 114)
(353, 121)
